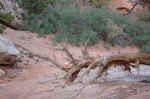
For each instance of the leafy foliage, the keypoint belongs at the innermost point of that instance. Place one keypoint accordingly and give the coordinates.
(99, 3)
(71, 24)
(145, 17)
(142, 37)
(2, 28)
(7, 17)
(38, 6)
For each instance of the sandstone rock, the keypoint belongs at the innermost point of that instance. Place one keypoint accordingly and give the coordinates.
(8, 47)
(8, 52)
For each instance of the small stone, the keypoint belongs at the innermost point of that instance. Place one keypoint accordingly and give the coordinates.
(2, 73)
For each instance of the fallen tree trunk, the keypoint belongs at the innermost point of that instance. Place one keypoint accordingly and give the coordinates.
(126, 61)
(103, 63)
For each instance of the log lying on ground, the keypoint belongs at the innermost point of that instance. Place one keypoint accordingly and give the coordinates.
(125, 61)
(103, 63)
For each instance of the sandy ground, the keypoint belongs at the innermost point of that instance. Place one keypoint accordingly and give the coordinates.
(35, 79)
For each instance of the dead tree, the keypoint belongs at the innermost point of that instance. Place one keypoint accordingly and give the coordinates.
(126, 61)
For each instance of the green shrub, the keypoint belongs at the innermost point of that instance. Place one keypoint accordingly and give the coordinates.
(142, 37)
(43, 23)
(72, 25)
(144, 17)
(99, 3)
(38, 6)
(69, 24)
(7, 18)
(116, 35)
(2, 28)
(34, 6)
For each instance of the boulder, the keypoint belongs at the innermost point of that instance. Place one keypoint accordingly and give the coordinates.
(8, 52)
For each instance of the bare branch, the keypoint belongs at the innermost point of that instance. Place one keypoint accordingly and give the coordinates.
(68, 53)
(121, 60)
(31, 55)
(133, 7)
(84, 51)
(91, 66)
(72, 75)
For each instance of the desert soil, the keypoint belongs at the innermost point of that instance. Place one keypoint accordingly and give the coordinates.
(35, 78)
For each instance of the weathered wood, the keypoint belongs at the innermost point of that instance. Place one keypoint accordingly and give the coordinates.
(105, 62)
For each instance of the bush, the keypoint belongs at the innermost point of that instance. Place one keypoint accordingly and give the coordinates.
(145, 17)
(99, 3)
(38, 6)
(75, 26)
(72, 25)
(7, 18)
(142, 37)
(34, 6)
(2, 28)
(116, 35)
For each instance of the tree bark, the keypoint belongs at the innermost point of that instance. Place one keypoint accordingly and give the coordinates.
(104, 63)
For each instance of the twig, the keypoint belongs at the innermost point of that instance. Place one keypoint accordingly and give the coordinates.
(68, 53)
(133, 7)
(84, 51)
(92, 65)
(31, 54)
